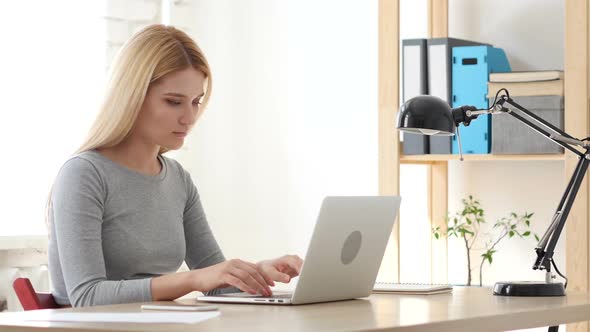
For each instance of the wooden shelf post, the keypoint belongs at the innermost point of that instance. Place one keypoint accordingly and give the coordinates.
(576, 124)
(388, 136)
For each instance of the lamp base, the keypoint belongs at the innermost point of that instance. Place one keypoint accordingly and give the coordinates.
(528, 288)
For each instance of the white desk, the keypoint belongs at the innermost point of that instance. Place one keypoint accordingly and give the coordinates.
(467, 309)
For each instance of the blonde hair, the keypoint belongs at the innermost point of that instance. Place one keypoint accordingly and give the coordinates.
(146, 57)
(149, 55)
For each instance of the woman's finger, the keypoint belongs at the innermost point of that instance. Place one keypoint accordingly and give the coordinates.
(279, 276)
(291, 272)
(257, 275)
(263, 273)
(252, 278)
(293, 262)
(236, 282)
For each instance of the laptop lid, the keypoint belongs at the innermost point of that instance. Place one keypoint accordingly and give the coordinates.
(346, 248)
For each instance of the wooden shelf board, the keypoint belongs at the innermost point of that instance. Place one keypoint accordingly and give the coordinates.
(428, 158)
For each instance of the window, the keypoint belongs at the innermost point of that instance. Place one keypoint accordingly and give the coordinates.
(52, 77)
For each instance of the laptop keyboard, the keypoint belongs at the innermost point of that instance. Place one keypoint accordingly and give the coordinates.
(275, 295)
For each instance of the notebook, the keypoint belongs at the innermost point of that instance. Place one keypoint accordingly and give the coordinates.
(407, 288)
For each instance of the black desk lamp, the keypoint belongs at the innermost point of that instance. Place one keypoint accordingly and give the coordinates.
(429, 115)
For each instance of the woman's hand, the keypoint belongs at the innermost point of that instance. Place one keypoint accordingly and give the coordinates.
(235, 272)
(281, 269)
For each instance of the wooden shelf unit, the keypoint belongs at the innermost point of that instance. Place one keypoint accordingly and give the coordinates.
(577, 101)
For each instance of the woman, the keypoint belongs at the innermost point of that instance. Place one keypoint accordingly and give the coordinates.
(122, 216)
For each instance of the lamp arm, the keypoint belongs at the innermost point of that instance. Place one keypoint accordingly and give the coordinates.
(546, 246)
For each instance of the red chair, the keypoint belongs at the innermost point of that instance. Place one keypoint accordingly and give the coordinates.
(31, 300)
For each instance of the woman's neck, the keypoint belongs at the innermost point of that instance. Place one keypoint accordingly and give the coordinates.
(135, 155)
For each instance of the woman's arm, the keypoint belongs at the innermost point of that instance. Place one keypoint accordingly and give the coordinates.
(172, 286)
(77, 208)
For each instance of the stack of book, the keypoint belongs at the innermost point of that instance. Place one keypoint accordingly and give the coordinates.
(527, 83)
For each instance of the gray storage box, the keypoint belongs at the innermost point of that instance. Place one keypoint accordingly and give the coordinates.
(440, 144)
(415, 144)
(511, 136)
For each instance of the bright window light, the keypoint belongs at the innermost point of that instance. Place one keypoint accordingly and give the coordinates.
(51, 84)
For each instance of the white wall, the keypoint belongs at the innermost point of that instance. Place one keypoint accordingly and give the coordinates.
(292, 118)
(531, 32)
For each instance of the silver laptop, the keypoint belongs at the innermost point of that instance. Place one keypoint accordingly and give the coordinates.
(344, 255)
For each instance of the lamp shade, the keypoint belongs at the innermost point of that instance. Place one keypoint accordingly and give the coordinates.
(427, 115)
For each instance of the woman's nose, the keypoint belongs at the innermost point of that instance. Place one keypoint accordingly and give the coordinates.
(189, 117)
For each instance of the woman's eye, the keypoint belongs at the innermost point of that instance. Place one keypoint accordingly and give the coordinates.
(197, 103)
(173, 102)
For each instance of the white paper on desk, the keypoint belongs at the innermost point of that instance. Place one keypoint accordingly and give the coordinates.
(117, 317)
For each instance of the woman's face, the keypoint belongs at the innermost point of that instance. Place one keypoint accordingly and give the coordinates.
(171, 108)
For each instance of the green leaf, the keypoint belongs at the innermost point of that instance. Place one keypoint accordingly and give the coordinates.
(436, 235)
(513, 227)
(469, 221)
(537, 238)
(511, 234)
(487, 257)
(527, 222)
(527, 233)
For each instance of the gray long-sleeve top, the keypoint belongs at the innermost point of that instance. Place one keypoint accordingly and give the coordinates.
(112, 229)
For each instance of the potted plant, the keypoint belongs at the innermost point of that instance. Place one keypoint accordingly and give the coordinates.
(466, 224)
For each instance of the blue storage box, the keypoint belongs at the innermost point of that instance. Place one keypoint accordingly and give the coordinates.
(472, 66)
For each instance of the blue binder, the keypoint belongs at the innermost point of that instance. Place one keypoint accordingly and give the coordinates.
(472, 66)
(440, 69)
